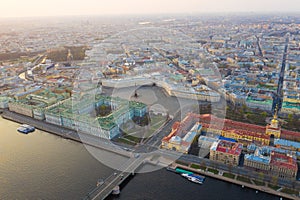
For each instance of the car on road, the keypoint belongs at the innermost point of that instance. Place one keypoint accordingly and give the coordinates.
(126, 149)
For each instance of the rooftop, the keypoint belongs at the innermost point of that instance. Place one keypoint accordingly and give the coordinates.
(230, 124)
(186, 129)
(287, 143)
(258, 158)
(227, 147)
(189, 136)
(283, 161)
(70, 107)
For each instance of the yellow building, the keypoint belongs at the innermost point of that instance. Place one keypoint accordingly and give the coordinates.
(226, 152)
(183, 134)
(273, 128)
(246, 135)
(237, 130)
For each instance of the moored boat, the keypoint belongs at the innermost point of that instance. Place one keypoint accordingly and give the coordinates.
(30, 128)
(24, 128)
(116, 190)
(194, 180)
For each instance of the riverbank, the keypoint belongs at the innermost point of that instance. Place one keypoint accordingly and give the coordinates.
(101, 144)
(49, 167)
(234, 180)
(66, 133)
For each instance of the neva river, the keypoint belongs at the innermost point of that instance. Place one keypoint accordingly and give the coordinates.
(44, 166)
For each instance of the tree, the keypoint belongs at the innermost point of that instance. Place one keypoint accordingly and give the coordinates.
(261, 176)
(290, 118)
(264, 114)
(274, 180)
(292, 67)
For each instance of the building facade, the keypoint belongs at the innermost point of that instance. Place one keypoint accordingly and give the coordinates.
(272, 161)
(273, 129)
(183, 133)
(226, 152)
(257, 160)
(79, 114)
(283, 166)
(242, 132)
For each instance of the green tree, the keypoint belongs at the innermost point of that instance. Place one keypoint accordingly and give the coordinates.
(261, 176)
(264, 115)
(274, 180)
(290, 118)
(244, 108)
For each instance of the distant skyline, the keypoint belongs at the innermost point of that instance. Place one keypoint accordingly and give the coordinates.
(31, 8)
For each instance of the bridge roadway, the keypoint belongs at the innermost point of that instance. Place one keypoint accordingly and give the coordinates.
(145, 151)
(129, 167)
(132, 165)
(103, 190)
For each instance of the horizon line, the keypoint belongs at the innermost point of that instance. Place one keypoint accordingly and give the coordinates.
(152, 14)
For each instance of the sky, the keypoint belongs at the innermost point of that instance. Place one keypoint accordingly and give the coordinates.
(29, 8)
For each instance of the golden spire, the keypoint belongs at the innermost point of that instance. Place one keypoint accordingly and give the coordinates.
(276, 112)
(274, 122)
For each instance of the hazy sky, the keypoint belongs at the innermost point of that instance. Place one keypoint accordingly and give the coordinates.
(24, 8)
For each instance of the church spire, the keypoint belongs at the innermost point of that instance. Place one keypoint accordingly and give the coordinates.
(276, 112)
(273, 128)
(274, 122)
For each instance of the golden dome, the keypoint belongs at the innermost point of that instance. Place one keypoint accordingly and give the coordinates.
(274, 121)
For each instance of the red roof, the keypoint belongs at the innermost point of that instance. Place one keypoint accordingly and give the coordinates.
(229, 147)
(175, 125)
(237, 130)
(229, 124)
(211, 121)
(208, 118)
(167, 138)
(180, 128)
(283, 161)
(291, 133)
(182, 71)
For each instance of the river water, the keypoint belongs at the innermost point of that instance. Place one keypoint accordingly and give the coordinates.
(44, 166)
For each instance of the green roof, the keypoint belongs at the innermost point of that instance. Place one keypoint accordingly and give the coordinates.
(70, 107)
(107, 123)
(290, 105)
(136, 105)
(264, 102)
